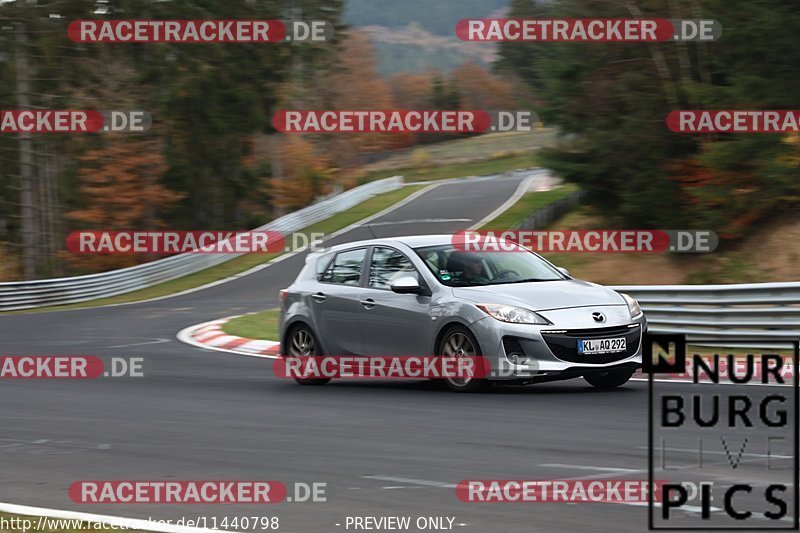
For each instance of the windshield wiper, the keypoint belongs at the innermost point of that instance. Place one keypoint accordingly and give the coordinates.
(526, 280)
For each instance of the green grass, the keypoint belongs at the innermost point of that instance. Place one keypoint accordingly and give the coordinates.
(245, 262)
(261, 325)
(527, 205)
(476, 155)
(471, 148)
(457, 170)
(727, 267)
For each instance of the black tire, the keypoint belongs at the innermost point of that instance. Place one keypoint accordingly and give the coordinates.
(609, 380)
(301, 342)
(453, 338)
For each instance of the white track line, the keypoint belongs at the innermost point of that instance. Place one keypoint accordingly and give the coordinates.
(157, 341)
(608, 469)
(505, 206)
(519, 193)
(120, 522)
(262, 266)
(608, 472)
(413, 481)
(713, 452)
(186, 334)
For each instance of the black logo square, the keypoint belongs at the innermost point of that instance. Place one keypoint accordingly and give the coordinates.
(664, 353)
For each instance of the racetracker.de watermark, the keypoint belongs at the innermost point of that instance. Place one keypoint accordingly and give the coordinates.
(199, 31)
(629, 30)
(734, 121)
(201, 242)
(568, 241)
(69, 367)
(403, 121)
(74, 121)
(178, 492)
(382, 367)
(557, 491)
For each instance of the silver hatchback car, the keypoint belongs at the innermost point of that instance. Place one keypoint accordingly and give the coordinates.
(425, 295)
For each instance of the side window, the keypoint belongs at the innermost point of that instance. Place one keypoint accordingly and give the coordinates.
(322, 265)
(345, 268)
(387, 266)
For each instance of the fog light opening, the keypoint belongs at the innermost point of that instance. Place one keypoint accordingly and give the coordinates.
(517, 358)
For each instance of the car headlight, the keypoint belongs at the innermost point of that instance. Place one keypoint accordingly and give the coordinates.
(633, 306)
(512, 314)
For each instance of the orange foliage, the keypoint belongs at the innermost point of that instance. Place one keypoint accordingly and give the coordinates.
(412, 91)
(480, 89)
(306, 174)
(121, 190)
(355, 84)
(723, 201)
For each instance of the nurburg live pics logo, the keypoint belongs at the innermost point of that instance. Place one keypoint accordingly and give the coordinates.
(732, 430)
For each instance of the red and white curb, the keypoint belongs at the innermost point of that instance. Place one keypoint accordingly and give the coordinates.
(210, 335)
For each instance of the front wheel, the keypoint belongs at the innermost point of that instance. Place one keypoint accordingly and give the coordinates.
(460, 342)
(610, 379)
(303, 343)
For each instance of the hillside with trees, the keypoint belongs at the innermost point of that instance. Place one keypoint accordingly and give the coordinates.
(407, 42)
(610, 102)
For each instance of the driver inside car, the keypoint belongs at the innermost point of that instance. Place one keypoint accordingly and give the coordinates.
(470, 267)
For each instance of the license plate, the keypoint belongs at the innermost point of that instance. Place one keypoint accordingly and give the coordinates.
(593, 346)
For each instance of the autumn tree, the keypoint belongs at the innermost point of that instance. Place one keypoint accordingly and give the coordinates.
(610, 102)
(306, 174)
(207, 103)
(120, 189)
(482, 89)
(355, 84)
(411, 90)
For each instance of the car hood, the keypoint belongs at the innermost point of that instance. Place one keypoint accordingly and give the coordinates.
(542, 295)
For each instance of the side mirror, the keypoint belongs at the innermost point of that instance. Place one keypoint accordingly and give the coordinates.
(564, 271)
(406, 285)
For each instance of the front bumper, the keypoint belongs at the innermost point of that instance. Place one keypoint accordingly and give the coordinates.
(551, 351)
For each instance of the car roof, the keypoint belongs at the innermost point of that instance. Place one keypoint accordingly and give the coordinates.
(412, 241)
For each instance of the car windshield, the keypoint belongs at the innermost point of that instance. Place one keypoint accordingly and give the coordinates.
(458, 268)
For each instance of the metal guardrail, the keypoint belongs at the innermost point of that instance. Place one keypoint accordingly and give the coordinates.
(740, 312)
(730, 313)
(17, 295)
(549, 213)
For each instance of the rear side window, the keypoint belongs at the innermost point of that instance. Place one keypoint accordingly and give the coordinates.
(389, 265)
(321, 265)
(345, 268)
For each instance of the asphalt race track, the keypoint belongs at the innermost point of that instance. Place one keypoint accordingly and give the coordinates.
(382, 448)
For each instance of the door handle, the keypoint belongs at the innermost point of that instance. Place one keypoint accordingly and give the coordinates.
(318, 297)
(368, 303)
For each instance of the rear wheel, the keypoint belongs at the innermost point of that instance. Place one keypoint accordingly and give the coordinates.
(303, 343)
(610, 379)
(460, 342)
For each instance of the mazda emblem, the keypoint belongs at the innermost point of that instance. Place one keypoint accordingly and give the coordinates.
(598, 317)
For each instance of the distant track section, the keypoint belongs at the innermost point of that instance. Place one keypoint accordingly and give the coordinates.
(18, 295)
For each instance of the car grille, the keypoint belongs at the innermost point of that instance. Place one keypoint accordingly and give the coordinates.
(564, 344)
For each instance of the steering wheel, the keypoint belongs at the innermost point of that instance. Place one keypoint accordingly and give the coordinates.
(505, 272)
